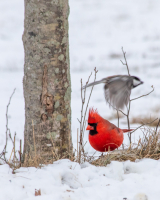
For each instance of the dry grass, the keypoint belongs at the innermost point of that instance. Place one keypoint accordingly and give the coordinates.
(38, 161)
(36, 158)
(148, 147)
(144, 120)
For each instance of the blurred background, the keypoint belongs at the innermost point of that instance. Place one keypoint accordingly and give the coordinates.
(98, 29)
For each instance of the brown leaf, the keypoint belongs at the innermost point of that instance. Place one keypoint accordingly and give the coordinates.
(69, 191)
(37, 192)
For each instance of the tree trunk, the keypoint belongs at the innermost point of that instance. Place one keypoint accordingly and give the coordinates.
(46, 82)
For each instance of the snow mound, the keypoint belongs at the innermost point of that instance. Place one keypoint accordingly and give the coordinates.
(70, 181)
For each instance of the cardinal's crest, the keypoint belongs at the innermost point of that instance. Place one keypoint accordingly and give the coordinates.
(93, 116)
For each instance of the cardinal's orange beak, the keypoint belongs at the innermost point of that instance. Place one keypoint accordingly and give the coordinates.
(89, 128)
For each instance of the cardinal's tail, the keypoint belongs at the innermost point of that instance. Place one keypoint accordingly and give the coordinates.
(127, 130)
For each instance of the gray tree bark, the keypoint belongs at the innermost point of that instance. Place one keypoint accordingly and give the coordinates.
(46, 82)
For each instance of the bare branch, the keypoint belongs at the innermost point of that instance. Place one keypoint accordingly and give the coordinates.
(129, 106)
(96, 71)
(122, 62)
(144, 125)
(7, 129)
(117, 109)
(143, 95)
(124, 54)
(129, 134)
(125, 63)
(83, 99)
(128, 111)
(83, 116)
(118, 118)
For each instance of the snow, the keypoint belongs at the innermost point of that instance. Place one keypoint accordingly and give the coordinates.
(97, 31)
(70, 181)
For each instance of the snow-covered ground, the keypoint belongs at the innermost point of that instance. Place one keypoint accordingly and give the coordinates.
(66, 180)
(98, 30)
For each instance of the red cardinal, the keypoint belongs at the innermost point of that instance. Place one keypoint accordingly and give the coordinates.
(103, 135)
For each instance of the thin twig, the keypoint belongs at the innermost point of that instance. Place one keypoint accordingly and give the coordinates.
(82, 117)
(82, 121)
(143, 125)
(14, 158)
(11, 155)
(118, 118)
(117, 109)
(89, 99)
(129, 134)
(83, 99)
(143, 95)
(157, 125)
(7, 129)
(20, 153)
(77, 143)
(124, 54)
(129, 106)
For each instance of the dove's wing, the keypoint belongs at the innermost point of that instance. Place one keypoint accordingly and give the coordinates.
(117, 91)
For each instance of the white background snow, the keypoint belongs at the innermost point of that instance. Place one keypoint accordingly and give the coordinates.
(97, 31)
